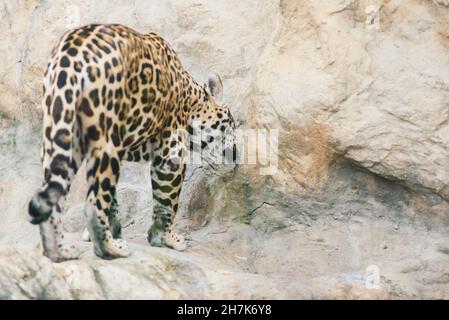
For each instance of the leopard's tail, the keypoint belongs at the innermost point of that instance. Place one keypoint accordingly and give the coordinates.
(58, 159)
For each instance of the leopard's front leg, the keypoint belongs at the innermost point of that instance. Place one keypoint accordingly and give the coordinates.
(167, 176)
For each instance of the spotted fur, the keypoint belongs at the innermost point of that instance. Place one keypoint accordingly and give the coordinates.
(113, 94)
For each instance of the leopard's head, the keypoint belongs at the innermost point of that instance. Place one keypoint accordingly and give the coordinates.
(212, 127)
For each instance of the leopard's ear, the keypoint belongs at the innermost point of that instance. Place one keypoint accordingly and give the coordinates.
(216, 87)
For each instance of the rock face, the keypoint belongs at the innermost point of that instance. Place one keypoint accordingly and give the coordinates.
(357, 206)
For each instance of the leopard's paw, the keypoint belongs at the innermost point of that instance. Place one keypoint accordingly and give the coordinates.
(64, 252)
(114, 248)
(171, 240)
(175, 241)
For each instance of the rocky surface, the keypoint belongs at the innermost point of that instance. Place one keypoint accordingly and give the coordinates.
(357, 207)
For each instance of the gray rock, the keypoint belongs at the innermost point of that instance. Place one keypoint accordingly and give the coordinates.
(27, 275)
(150, 273)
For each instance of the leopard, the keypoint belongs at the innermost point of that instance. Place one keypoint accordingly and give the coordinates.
(112, 94)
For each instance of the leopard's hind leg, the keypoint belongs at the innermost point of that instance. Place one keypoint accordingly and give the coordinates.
(51, 230)
(114, 222)
(103, 169)
(61, 159)
(46, 206)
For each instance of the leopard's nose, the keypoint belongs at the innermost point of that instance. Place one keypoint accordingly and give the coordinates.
(230, 155)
